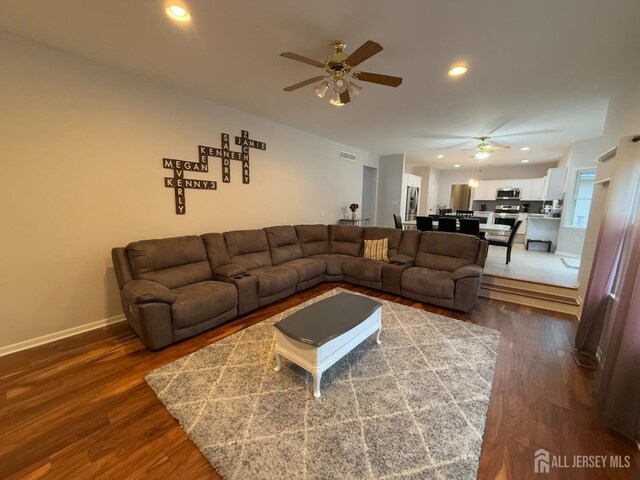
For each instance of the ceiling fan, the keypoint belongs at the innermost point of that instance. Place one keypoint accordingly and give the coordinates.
(485, 148)
(339, 72)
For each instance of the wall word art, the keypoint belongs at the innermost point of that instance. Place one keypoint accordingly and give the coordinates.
(180, 184)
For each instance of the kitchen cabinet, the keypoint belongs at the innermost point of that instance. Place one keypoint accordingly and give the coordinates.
(412, 180)
(537, 188)
(486, 190)
(554, 184)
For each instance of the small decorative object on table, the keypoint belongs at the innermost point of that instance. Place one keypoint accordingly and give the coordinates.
(354, 208)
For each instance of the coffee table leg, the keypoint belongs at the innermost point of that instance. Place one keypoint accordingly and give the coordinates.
(378, 335)
(278, 366)
(317, 377)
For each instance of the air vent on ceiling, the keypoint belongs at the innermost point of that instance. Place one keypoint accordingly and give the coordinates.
(348, 156)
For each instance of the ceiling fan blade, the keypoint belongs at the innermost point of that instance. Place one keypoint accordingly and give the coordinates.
(455, 145)
(367, 50)
(499, 147)
(300, 58)
(538, 132)
(345, 97)
(438, 136)
(378, 78)
(304, 83)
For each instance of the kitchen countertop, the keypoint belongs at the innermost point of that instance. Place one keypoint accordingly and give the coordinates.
(542, 216)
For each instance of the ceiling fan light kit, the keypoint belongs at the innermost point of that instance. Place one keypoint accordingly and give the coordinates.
(338, 67)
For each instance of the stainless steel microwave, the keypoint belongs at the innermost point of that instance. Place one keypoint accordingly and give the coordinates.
(508, 194)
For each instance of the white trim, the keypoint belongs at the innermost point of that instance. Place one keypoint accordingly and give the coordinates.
(565, 254)
(604, 181)
(609, 154)
(52, 337)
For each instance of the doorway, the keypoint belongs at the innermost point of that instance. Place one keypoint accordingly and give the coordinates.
(369, 189)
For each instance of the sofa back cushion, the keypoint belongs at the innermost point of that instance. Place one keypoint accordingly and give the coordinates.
(409, 243)
(446, 251)
(346, 239)
(393, 234)
(172, 262)
(283, 244)
(314, 239)
(248, 248)
(216, 250)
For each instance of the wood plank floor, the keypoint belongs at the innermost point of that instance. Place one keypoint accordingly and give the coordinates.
(80, 408)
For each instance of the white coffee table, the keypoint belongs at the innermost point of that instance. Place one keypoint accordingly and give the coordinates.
(319, 335)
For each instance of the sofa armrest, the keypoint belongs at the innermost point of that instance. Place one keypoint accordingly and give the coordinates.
(229, 270)
(400, 259)
(147, 291)
(467, 271)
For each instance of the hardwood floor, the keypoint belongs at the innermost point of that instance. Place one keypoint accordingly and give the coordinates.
(80, 408)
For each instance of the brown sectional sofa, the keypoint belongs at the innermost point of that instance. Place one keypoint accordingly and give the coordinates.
(175, 288)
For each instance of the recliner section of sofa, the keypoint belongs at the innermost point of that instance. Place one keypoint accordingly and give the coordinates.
(447, 270)
(171, 295)
(175, 288)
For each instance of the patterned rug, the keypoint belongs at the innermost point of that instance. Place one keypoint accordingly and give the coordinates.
(413, 407)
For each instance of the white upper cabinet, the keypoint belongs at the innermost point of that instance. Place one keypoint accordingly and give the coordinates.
(554, 184)
(486, 190)
(531, 188)
(411, 180)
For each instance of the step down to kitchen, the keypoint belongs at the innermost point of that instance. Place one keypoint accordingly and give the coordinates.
(541, 295)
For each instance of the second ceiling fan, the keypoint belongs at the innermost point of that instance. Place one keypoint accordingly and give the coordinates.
(340, 74)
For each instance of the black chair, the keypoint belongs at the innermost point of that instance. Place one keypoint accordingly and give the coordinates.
(448, 224)
(506, 243)
(444, 211)
(424, 224)
(470, 226)
(397, 219)
(464, 213)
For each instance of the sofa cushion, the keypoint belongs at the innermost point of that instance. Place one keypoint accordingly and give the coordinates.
(376, 249)
(346, 239)
(314, 239)
(446, 251)
(307, 268)
(283, 244)
(274, 280)
(363, 268)
(248, 248)
(334, 262)
(202, 301)
(393, 234)
(216, 249)
(431, 283)
(172, 262)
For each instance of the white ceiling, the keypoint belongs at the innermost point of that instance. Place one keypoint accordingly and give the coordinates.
(544, 66)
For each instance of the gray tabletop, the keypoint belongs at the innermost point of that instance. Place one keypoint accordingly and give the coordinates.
(327, 319)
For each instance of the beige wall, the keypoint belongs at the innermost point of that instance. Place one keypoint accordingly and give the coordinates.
(81, 158)
(389, 188)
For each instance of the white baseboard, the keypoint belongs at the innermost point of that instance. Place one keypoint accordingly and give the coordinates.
(565, 254)
(52, 337)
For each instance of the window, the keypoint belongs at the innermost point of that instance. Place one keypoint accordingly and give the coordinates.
(582, 198)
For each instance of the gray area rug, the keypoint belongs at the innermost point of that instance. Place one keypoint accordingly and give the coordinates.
(413, 407)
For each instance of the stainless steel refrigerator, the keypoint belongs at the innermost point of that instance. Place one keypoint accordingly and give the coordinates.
(411, 209)
(460, 197)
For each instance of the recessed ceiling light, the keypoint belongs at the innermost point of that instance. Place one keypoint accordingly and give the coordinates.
(440, 156)
(458, 70)
(179, 13)
(456, 166)
(524, 161)
(525, 149)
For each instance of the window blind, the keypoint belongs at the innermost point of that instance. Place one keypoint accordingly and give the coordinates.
(582, 198)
